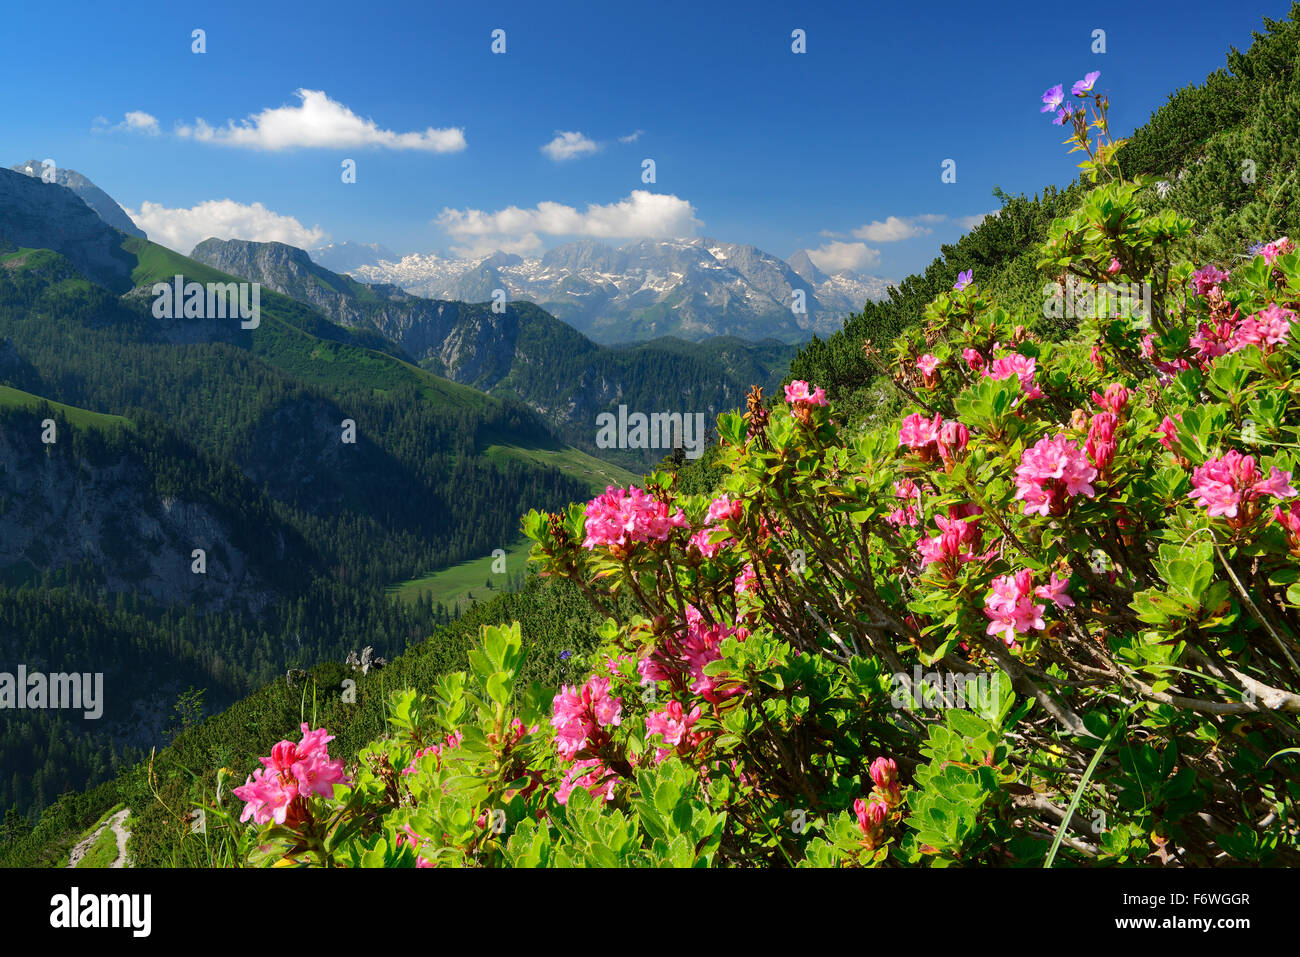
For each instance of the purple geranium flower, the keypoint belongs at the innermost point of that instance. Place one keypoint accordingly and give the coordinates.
(1062, 116)
(964, 279)
(1053, 98)
(1084, 87)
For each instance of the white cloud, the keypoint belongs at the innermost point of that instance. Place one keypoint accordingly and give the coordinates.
(970, 222)
(135, 121)
(641, 215)
(834, 257)
(569, 146)
(183, 229)
(319, 122)
(896, 228)
(631, 137)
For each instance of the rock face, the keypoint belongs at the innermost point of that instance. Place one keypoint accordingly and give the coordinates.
(36, 215)
(691, 288)
(68, 506)
(90, 194)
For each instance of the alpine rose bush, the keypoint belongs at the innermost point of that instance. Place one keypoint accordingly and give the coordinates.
(1105, 528)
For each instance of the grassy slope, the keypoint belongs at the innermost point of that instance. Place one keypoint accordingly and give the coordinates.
(82, 418)
(452, 586)
(587, 468)
(460, 586)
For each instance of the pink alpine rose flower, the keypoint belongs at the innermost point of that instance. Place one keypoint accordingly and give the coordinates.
(1168, 431)
(1207, 278)
(278, 791)
(590, 774)
(1022, 367)
(871, 816)
(911, 495)
(1010, 607)
(1114, 400)
(622, 517)
(1055, 591)
(798, 393)
(1225, 484)
(671, 723)
(580, 715)
(1267, 328)
(1050, 472)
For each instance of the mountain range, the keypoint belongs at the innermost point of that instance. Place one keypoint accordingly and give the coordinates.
(688, 288)
(521, 352)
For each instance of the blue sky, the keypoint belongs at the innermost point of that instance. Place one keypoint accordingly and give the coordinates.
(751, 142)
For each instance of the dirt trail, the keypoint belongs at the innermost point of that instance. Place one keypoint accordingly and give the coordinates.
(115, 822)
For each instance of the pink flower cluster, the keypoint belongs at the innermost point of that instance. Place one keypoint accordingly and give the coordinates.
(278, 791)
(933, 437)
(907, 490)
(1223, 485)
(927, 364)
(1050, 472)
(958, 540)
(1278, 247)
(1268, 328)
(721, 509)
(623, 516)
(884, 775)
(589, 773)
(797, 393)
(1290, 522)
(872, 812)
(1207, 278)
(1167, 370)
(1096, 358)
(1011, 608)
(1022, 367)
(1114, 400)
(688, 655)
(579, 715)
(871, 817)
(674, 725)
(1168, 431)
(1101, 442)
